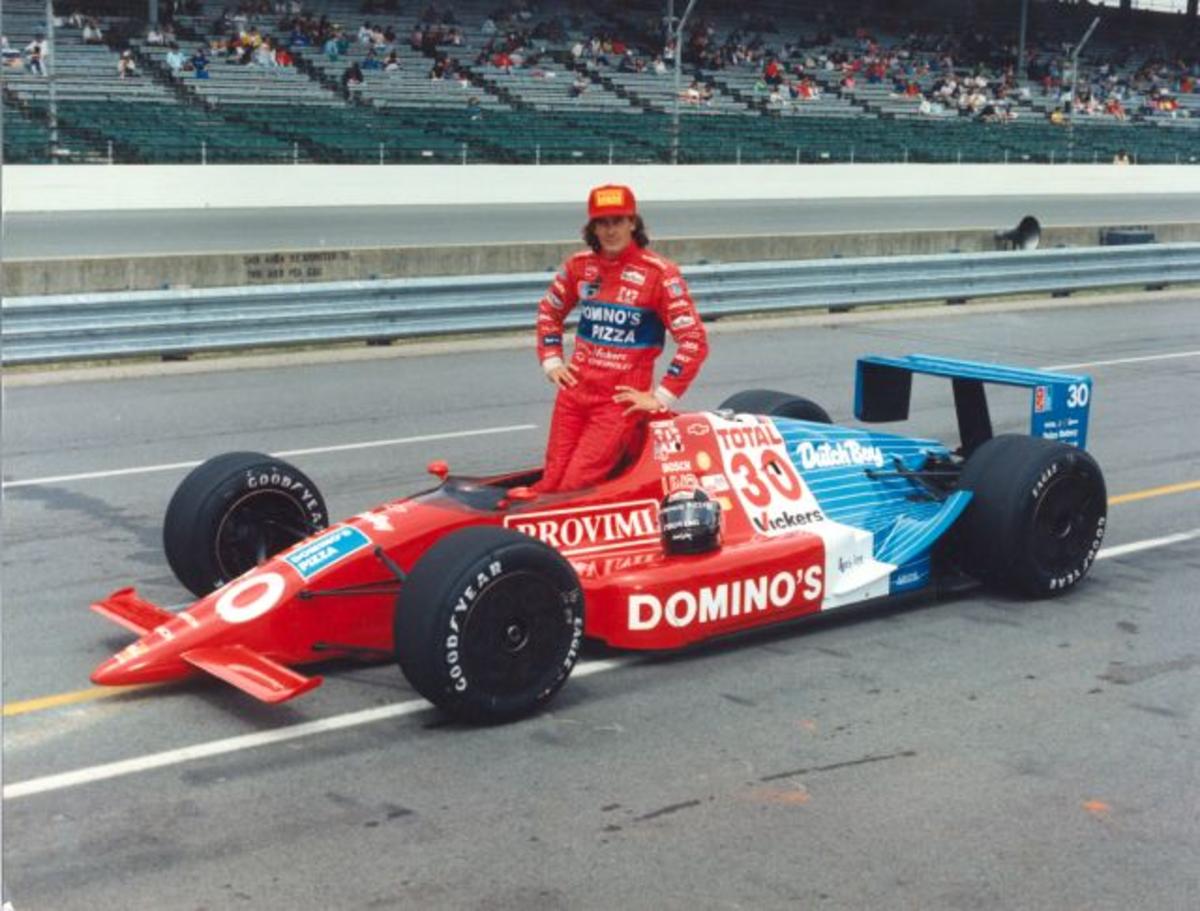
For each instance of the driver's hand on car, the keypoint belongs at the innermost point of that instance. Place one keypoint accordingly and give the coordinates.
(563, 376)
(638, 400)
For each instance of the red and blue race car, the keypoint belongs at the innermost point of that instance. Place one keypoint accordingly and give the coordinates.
(484, 590)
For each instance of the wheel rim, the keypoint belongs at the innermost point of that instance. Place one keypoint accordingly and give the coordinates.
(255, 528)
(514, 634)
(1064, 522)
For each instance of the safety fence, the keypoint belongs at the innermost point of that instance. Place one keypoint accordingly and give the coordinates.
(175, 323)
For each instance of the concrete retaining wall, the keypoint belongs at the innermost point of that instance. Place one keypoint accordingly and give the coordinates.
(50, 188)
(139, 273)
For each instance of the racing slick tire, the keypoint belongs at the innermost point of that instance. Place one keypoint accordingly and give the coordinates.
(1037, 517)
(235, 511)
(777, 405)
(488, 624)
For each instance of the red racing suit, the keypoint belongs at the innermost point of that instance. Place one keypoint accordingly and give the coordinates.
(628, 305)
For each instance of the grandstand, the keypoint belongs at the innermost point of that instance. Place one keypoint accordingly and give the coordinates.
(344, 81)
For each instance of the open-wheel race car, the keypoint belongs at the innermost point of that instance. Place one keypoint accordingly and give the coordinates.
(714, 523)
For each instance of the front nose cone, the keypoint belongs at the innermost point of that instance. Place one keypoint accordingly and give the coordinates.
(110, 673)
(134, 665)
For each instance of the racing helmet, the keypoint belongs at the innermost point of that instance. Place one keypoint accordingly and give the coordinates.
(691, 522)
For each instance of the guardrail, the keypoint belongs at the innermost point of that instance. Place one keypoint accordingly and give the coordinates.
(178, 322)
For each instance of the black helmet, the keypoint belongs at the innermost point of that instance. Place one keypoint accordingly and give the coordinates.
(691, 522)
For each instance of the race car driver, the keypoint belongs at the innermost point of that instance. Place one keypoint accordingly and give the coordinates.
(629, 298)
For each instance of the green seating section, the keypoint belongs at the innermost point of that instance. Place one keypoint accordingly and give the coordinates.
(27, 140)
(170, 133)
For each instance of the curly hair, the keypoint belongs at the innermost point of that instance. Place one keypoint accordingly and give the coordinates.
(640, 237)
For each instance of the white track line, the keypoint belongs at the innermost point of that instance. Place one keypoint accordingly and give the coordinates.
(245, 742)
(367, 716)
(287, 453)
(1125, 360)
(1136, 546)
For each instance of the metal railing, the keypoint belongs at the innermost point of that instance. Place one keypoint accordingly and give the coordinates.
(178, 322)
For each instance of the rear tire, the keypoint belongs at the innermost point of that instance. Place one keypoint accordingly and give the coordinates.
(489, 624)
(777, 405)
(1037, 517)
(234, 512)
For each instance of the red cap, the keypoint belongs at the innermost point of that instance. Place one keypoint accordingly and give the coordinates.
(611, 199)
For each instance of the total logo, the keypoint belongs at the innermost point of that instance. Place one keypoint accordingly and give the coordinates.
(737, 598)
(589, 529)
(838, 455)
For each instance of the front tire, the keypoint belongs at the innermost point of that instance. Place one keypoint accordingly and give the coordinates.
(777, 405)
(234, 512)
(489, 624)
(1037, 517)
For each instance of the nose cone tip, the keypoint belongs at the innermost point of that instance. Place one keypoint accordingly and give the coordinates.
(110, 673)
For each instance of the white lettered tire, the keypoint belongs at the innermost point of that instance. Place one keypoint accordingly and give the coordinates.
(488, 624)
(235, 511)
(1037, 517)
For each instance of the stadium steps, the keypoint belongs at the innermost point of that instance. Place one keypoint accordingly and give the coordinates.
(159, 72)
(598, 78)
(757, 105)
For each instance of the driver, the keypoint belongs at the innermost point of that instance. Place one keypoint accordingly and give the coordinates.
(628, 298)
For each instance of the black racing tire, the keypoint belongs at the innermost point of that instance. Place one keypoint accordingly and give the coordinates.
(777, 405)
(489, 624)
(235, 511)
(1037, 517)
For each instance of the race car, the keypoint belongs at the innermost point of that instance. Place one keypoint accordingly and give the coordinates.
(716, 522)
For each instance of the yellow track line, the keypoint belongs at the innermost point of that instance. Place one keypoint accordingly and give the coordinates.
(54, 702)
(97, 692)
(1153, 492)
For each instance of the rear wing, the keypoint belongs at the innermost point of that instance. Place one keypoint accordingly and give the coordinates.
(1058, 411)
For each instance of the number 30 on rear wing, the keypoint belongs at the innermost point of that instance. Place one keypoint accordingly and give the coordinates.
(1058, 411)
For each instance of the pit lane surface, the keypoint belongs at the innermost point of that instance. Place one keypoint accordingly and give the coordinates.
(68, 234)
(974, 753)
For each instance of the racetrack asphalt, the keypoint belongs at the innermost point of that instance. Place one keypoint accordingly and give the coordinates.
(130, 233)
(978, 752)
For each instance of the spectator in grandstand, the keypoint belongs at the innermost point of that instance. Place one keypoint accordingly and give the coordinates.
(154, 37)
(10, 56)
(126, 67)
(371, 61)
(332, 48)
(773, 73)
(1057, 117)
(392, 64)
(264, 56)
(503, 61)
(199, 62)
(606, 390)
(283, 56)
(92, 33)
(175, 59)
(474, 111)
(35, 56)
(352, 78)
(1122, 157)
